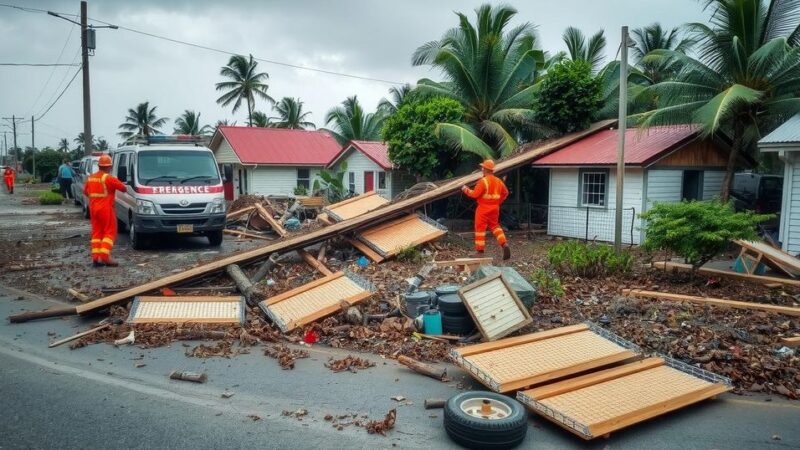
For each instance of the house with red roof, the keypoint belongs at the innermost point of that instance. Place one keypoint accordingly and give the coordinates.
(271, 161)
(367, 168)
(662, 164)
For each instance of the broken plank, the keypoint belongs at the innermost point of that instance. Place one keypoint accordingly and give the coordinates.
(313, 262)
(270, 220)
(463, 262)
(765, 280)
(246, 235)
(793, 341)
(787, 310)
(239, 212)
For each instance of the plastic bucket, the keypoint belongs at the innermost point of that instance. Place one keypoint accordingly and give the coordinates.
(432, 322)
(414, 300)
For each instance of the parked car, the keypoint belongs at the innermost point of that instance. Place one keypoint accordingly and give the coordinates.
(757, 192)
(86, 166)
(174, 186)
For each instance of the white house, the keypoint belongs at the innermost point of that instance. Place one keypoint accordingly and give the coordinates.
(369, 169)
(662, 164)
(271, 161)
(786, 141)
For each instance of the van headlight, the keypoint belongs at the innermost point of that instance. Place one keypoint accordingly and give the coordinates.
(145, 207)
(217, 206)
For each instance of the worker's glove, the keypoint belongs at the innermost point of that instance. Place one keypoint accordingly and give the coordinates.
(464, 189)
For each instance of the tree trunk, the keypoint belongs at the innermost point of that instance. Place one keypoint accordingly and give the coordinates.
(249, 113)
(738, 132)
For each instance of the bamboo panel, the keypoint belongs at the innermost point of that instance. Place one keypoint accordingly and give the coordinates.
(187, 309)
(495, 307)
(408, 231)
(355, 206)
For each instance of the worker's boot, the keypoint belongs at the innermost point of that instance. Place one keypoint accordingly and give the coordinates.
(506, 252)
(111, 263)
(97, 263)
(478, 254)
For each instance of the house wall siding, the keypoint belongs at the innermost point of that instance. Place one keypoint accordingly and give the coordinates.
(225, 154)
(664, 185)
(712, 183)
(358, 163)
(276, 180)
(791, 211)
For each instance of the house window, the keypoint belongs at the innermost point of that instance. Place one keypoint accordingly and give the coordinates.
(381, 180)
(692, 185)
(351, 181)
(304, 178)
(594, 188)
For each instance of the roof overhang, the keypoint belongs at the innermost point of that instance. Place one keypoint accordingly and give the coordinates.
(782, 147)
(353, 146)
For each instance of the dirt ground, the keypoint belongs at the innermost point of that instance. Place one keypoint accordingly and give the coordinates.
(741, 344)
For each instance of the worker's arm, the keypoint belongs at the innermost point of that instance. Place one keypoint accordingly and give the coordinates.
(114, 184)
(503, 192)
(478, 192)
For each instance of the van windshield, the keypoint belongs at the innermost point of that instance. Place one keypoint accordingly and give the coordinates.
(184, 167)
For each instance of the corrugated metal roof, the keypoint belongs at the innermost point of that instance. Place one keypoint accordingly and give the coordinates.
(376, 151)
(788, 133)
(277, 146)
(600, 149)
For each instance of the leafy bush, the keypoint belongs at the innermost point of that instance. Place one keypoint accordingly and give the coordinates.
(300, 190)
(588, 260)
(332, 184)
(50, 198)
(410, 254)
(697, 231)
(547, 284)
(568, 97)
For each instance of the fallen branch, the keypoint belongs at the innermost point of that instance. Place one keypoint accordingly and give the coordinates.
(422, 368)
(265, 268)
(245, 286)
(188, 376)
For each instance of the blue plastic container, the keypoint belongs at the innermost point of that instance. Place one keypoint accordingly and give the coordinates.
(432, 322)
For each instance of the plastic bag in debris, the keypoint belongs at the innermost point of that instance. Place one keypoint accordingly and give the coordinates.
(525, 291)
(292, 224)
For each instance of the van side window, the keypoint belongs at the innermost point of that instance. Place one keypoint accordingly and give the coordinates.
(123, 162)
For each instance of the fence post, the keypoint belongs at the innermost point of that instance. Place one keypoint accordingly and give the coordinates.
(586, 229)
(633, 222)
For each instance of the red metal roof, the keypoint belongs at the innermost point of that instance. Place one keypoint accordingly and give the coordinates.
(378, 152)
(278, 146)
(600, 149)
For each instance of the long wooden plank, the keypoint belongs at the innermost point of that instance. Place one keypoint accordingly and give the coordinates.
(246, 235)
(518, 340)
(726, 273)
(270, 220)
(239, 212)
(379, 215)
(463, 262)
(789, 311)
(572, 370)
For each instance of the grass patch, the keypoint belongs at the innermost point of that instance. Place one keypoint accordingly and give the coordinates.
(410, 255)
(587, 260)
(50, 198)
(548, 284)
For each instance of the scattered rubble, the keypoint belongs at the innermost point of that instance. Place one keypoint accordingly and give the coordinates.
(285, 355)
(350, 363)
(382, 426)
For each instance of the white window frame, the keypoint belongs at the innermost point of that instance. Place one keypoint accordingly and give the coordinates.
(380, 176)
(351, 181)
(583, 182)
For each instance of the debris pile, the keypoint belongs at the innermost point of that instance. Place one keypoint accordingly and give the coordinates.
(350, 363)
(286, 356)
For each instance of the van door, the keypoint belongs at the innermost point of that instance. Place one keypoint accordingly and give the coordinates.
(120, 202)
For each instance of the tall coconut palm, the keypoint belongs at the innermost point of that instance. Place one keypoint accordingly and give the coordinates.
(260, 120)
(579, 49)
(654, 37)
(291, 115)
(350, 122)
(63, 145)
(245, 84)
(490, 70)
(189, 123)
(80, 141)
(743, 81)
(101, 144)
(398, 96)
(141, 121)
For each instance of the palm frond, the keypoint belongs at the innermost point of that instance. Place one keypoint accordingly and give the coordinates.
(461, 137)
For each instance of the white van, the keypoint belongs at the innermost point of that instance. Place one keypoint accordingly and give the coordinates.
(174, 186)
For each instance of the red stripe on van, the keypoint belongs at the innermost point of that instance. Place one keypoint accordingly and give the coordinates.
(178, 189)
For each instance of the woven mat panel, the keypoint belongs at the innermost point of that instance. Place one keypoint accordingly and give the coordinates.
(356, 208)
(494, 308)
(315, 299)
(186, 311)
(540, 357)
(624, 395)
(392, 239)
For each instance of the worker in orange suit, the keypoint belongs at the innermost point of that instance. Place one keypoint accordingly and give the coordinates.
(8, 179)
(490, 192)
(100, 189)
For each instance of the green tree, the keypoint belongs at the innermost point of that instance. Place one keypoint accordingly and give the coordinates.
(63, 145)
(398, 96)
(260, 120)
(743, 81)
(80, 141)
(569, 97)
(349, 122)
(101, 145)
(489, 70)
(291, 115)
(47, 162)
(654, 37)
(579, 49)
(245, 83)
(189, 123)
(141, 121)
(411, 137)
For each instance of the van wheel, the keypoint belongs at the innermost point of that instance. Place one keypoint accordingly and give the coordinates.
(137, 241)
(485, 420)
(214, 238)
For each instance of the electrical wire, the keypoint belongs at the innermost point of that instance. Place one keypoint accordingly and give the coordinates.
(63, 80)
(39, 65)
(59, 95)
(52, 72)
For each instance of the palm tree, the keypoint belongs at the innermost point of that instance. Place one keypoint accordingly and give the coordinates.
(654, 37)
(245, 84)
(579, 49)
(260, 120)
(291, 115)
(189, 123)
(63, 145)
(490, 71)
(141, 121)
(349, 122)
(80, 141)
(399, 95)
(743, 81)
(101, 144)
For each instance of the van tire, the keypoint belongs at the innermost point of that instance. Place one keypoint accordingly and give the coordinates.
(214, 238)
(476, 432)
(136, 238)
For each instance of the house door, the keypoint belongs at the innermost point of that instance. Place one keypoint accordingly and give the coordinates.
(242, 181)
(369, 181)
(692, 185)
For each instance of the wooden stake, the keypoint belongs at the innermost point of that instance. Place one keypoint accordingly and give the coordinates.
(787, 310)
(79, 335)
(422, 368)
(247, 235)
(311, 261)
(78, 295)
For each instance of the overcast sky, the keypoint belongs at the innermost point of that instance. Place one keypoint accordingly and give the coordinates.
(372, 39)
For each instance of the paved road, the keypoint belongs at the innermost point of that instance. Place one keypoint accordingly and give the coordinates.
(95, 397)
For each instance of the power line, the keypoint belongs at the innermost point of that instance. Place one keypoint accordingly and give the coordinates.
(52, 72)
(59, 95)
(39, 65)
(63, 79)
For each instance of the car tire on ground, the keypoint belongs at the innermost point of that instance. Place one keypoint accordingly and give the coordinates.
(457, 324)
(214, 238)
(136, 238)
(451, 304)
(503, 425)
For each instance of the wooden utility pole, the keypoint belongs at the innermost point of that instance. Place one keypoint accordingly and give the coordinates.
(87, 106)
(33, 147)
(623, 114)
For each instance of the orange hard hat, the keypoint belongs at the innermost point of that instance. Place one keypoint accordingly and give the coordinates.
(488, 164)
(104, 161)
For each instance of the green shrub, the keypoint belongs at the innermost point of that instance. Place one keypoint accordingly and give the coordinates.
(588, 260)
(410, 254)
(300, 190)
(50, 198)
(547, 284)
(697, 231)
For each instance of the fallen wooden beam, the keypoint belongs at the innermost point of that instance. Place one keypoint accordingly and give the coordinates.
(765, 280)
(270, 220)
(313, 262)
(247, 235)
(239, 212)
(787, 310)
(422, 368)
(380, 215)
(793, 341)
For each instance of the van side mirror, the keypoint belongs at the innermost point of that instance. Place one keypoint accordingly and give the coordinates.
(227, 172)
(122, 174)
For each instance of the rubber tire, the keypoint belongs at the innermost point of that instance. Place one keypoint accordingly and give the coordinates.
(448, 304)
(472, 432)
(214, 238)
(457, 324)
(137, 240)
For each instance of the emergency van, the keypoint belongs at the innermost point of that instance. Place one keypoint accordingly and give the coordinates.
(173, 186)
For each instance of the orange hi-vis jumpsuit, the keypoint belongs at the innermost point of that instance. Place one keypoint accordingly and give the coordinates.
(489, 192)
(8, 178)
(100, 188)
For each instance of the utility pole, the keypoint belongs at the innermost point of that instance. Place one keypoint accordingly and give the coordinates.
(622, 122)
(5, 148)
(33, 148)
(14, 127)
